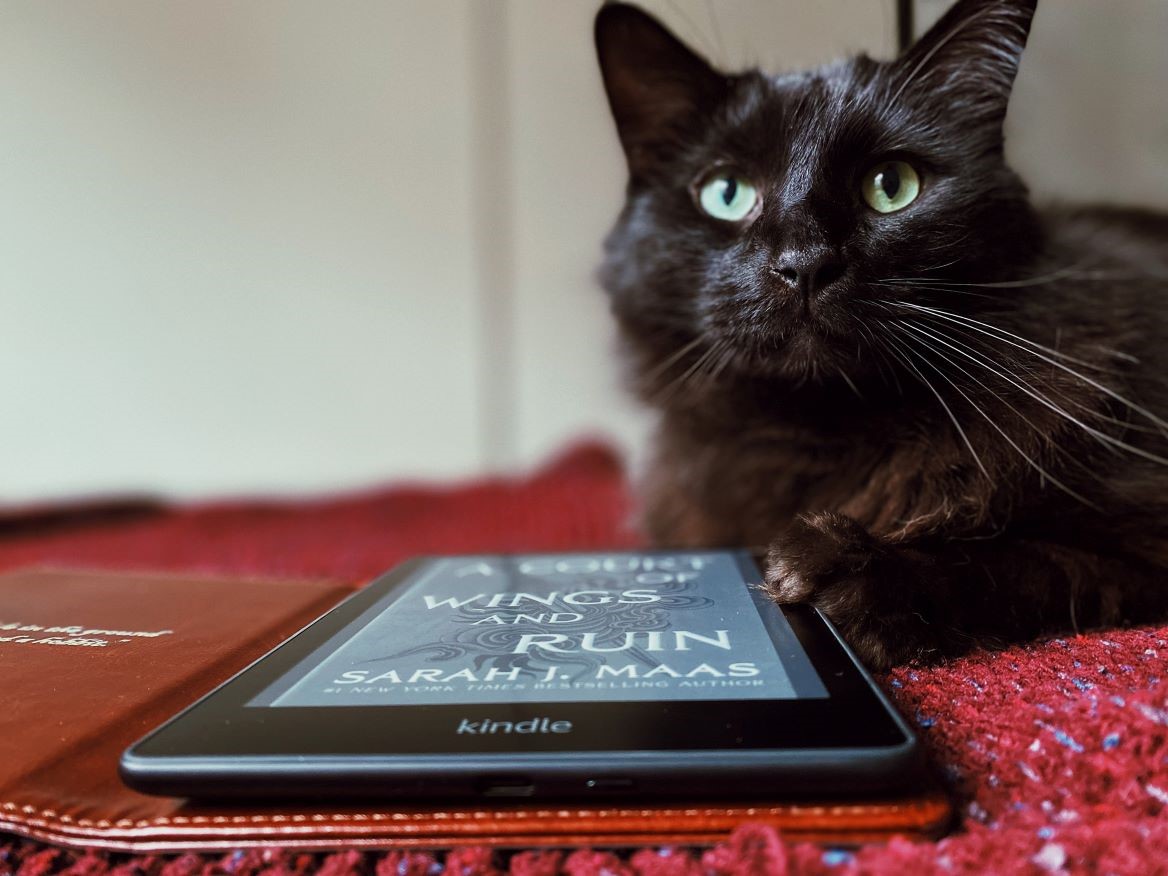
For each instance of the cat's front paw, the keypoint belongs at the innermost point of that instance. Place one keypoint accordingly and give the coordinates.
(862, 585)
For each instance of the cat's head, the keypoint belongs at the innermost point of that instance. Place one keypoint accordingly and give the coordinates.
(771, 219)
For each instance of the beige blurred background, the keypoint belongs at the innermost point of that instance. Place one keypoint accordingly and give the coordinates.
(287, 247)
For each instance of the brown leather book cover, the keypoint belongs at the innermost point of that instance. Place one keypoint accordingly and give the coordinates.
(92, 661)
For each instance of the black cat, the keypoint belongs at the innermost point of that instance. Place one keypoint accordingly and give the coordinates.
(938, 412)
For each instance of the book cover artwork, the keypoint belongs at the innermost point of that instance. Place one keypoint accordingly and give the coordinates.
(559, 628)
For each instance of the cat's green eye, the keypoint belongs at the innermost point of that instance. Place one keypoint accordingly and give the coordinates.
(891, 186)
(728, 196)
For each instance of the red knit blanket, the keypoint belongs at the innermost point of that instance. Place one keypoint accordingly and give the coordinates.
(1058, 751)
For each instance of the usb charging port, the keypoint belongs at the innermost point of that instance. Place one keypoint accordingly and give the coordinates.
(506, 786)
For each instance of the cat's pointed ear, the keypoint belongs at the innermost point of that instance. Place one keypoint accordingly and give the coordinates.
(970, 57)
(657, 87)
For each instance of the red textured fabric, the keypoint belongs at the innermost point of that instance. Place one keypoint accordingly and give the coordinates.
(1058, 751)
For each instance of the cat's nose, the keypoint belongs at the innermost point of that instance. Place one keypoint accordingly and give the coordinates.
(808, 270)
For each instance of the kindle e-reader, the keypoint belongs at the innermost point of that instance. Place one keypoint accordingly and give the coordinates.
(572, 676)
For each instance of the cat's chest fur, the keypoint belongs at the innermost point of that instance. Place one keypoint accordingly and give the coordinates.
(745, 481)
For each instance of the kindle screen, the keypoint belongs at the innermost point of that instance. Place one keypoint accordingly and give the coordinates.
(559, 628)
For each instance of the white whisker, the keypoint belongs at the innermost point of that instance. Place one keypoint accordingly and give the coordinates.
(893, 348)
(849, 382)
(663, 366)
(1046, 475)
(1103, 437)
(1096, 384)
(1068, 272)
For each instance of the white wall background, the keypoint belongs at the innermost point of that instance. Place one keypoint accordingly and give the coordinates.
(234, 245)
(293, 246)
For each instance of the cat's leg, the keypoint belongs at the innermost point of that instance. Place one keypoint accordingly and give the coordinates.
(934, 597)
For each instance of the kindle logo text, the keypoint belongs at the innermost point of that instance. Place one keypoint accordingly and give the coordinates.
(486, 726)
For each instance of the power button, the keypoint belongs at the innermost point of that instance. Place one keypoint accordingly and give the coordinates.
(608, 784)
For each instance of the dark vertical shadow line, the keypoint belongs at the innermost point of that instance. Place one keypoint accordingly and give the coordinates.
(905, 28)
(492, 219)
